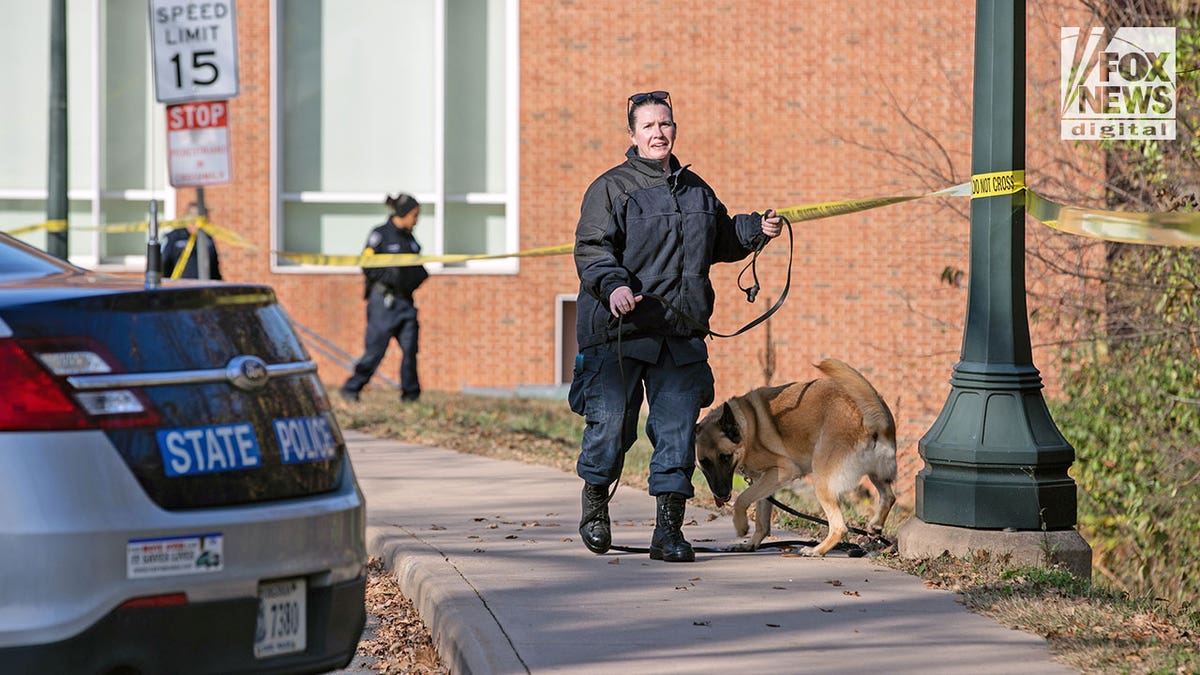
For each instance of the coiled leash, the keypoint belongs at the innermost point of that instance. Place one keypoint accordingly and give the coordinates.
(751, 292)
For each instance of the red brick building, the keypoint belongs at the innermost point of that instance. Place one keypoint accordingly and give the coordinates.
(777, 103)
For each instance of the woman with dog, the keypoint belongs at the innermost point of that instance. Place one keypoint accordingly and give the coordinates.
(649, 229)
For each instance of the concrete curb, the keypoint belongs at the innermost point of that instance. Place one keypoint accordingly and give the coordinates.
(465, 632)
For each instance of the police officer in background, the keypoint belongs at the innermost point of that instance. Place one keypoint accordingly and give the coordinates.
(389, 295)
(175, 244)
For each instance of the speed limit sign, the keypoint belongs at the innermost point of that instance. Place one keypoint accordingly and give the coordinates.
(195, 50)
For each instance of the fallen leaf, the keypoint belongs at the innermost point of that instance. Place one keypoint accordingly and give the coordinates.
(833, 582)
(851, 593)
(511, 536)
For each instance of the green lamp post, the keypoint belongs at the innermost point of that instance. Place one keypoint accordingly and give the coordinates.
(994, 459)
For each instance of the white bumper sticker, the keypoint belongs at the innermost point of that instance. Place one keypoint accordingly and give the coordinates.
(193, 554)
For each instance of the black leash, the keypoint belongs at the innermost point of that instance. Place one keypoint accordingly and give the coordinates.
(851, 550)
(878, 539)
(751, 292)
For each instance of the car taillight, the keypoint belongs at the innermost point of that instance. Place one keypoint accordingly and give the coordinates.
(166, 600)
(35, 394)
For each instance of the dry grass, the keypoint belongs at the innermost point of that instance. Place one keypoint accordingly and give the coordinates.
(396, 639)
(1088, 626)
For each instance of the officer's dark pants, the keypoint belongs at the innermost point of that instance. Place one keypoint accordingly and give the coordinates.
(384, 323)
(611, 403)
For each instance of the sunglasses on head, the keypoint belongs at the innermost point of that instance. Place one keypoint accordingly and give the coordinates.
(638, 99)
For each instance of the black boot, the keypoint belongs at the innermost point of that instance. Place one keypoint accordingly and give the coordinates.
(594, 526)
(668, 543)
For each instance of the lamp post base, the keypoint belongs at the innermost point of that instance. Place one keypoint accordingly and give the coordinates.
(1063, 548)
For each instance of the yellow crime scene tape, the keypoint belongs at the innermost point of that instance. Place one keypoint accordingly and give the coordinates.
(1174, 229)
(1163, 229)
(412, 259)
(997, 183)
(1156, 229)
(1159, 229)
(214, 231)
(49, 226)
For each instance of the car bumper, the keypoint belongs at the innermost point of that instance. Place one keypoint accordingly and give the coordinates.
(64, 543)
(203, 637)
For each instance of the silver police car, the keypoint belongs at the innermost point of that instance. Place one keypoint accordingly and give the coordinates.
(176, 493)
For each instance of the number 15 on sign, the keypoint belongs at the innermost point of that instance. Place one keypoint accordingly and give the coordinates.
(195, 50)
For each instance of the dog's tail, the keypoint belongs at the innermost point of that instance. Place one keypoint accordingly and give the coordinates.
(877, 417)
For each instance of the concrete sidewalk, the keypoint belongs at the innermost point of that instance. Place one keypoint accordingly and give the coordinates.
(489, 552)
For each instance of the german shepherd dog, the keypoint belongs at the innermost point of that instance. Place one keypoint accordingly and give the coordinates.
(836, 428)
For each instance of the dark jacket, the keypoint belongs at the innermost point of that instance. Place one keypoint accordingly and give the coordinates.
(658, 233)
(173, 246)
(401, 281)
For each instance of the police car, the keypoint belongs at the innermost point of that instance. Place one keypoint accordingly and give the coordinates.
(176, 493)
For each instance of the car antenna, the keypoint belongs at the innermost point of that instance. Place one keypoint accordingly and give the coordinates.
(153, 253)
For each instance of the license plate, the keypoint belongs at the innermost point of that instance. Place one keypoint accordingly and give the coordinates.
(282, 618)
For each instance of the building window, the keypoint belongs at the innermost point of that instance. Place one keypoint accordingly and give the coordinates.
(375, 97)
(116, 130)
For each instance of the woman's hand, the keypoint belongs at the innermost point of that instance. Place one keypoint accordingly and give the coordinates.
(772, 224)
(622, 301)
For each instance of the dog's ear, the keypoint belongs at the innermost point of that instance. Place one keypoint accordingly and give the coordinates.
(728, 424)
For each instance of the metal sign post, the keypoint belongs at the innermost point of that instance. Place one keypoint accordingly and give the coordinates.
(196, 73)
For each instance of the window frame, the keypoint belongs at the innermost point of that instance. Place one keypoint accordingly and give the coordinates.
(95, 196)
(435, 201)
